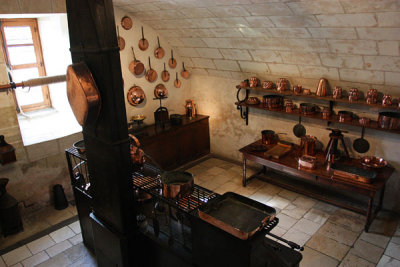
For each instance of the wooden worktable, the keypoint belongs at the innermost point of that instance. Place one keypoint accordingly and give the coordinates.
(320, 175)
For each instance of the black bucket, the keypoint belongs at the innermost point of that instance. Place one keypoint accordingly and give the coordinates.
(60, 201)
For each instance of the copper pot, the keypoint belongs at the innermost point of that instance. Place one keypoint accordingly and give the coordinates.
(172, 61)
(160, 91)
(289, 106)
(177, 184)
(389, 120)
(244, 83)
(282, 85)
(185, 72)
(337, 92)
(345, 116)
(253, 82)
(273, 101)
(326, 113)
(126, 23)
(135, 95)
(177, 82)
(165, 75)
(307, 145)
(268, 137)
(136, 67)
(307, 108)
(151, 75)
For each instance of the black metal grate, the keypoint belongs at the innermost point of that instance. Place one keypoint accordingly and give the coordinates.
(152, 185)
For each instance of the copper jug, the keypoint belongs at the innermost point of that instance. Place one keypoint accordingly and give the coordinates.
(322, 87)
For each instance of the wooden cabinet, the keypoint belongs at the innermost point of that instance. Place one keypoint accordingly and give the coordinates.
(175, 146)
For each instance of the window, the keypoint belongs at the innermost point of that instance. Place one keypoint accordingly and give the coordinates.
(23, 52)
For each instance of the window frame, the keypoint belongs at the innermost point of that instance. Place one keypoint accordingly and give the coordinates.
(32, 23)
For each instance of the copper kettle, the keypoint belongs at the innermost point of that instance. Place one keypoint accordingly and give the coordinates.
(137, 154)
(322, 87)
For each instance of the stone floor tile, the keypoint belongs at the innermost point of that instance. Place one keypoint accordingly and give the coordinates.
(387, 261)
(377, 240)
(328, 208)
(367, 251)
(245, 191)
(76, 239)
(317, 216)
(88, 261)
(328, 246)
(60, 260)
(40, 244)
(16, 255)
(395, 239)
(278, 231)
(338, 233)
(289, 195)
(62, 234)
(53, 216)
(270, 188)
(278, 202)
(2, 263)
(294, 211)
(35, 259)
(307, 226)
(304, 202)
(17, 265)
(296, 236)
(261, 197)
(76, 252)
(352, 260)
(76, 227)
(355, 224)
(215, 170)
(313, 258)
(392, 250)
(285, 221)
(229, 186)
(58, 248)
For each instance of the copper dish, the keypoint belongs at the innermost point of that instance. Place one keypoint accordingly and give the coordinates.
(126, 23)
(252, 100)
(135, 95)
(373, 162)
(160, 91)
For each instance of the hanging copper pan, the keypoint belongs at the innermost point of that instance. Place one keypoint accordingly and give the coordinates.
(177, 82)
(126, 23)
(160, 91)
(165, 75)
(135, 95)
(151, 75)
(143, 43)
(136, 67)
(159, 52)
(184, 73)
(172, 61)
(82, 92)
(121, 41)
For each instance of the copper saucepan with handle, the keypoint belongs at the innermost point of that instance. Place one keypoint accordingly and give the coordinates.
(184, 73)
(151, 75)
(159, 51)
(177, 82)
(136, 67)
(121, 41)
(172, 61)
(165, 75)
(143, 43)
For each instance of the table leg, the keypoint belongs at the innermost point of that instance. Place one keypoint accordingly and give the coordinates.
(369, 212)
(381, 199)
(244, 172)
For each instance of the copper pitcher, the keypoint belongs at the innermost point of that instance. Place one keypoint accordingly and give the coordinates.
(322, 87)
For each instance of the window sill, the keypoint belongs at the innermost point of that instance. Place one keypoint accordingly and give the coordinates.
(45, 125)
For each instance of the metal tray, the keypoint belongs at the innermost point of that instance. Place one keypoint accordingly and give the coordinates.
(354, 172)
(238, 215)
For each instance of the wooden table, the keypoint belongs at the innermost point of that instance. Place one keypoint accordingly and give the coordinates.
(320, 176)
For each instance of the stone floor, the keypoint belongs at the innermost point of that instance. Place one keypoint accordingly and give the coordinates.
(331, 236)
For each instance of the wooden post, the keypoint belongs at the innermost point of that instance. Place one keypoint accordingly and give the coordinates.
(93, 40)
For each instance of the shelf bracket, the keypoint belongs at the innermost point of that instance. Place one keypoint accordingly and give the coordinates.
(244, 114)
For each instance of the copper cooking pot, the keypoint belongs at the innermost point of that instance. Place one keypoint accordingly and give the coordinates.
(269, 137)
(177, 82)
(151, 75)
(143, 43)
(177, 184)
(389, 120)
(165, 75)
(184, 73)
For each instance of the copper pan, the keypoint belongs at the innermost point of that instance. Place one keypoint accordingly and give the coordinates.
(83, 94)
(151, 75)
(126, 23)
(143, 43)
(165, 75)
(136, 67)
(160, 91)
(172, 61)
(135, 95)
(177, 184)
(159, 52)
(121, 41)
(184, 73)
(177, 82)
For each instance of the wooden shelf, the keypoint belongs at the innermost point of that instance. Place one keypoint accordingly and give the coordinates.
(318, 116)
(360, 102)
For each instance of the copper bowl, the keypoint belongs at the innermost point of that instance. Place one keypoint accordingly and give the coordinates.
(177, 184)
(373, 162)
(135, 95)
(345, 115)
(253, 100)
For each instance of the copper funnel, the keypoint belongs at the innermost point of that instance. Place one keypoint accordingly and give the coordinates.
(322, 87)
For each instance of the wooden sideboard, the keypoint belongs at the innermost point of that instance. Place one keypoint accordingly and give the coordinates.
(174, 146)
(319, 177)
